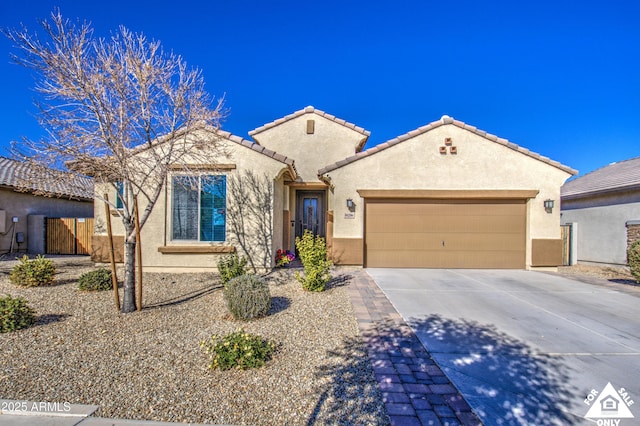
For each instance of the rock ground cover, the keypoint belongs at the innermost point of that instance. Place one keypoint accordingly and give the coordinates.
(149, 365)
(598, 271)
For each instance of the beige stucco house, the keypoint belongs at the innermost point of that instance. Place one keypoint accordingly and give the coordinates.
(445, 195)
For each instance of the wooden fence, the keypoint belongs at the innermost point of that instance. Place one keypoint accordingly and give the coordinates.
(566, 233)
(69, 235)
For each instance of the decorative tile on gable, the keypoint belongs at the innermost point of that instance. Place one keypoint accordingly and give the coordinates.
(448, 143)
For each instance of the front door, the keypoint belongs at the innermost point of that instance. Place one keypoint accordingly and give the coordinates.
(310, 212)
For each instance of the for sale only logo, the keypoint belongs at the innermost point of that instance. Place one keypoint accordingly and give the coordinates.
(609, 406)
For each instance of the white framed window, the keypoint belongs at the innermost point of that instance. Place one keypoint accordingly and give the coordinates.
(199, 208)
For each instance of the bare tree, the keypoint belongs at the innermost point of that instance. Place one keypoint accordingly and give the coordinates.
(250, 217)
(119, 109)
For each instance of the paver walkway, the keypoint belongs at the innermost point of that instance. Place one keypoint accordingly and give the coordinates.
(414, 389)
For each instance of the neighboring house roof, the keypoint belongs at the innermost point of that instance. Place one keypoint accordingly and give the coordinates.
(620, 176)
(320, 113)
(444, 121)
(20, 176)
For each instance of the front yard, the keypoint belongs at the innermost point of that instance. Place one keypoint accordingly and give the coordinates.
(149, 365)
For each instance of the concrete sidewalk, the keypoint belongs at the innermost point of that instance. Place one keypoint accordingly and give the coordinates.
(27, 420)
(32, 413)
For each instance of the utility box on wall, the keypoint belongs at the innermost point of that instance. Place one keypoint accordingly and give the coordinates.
(3, 221)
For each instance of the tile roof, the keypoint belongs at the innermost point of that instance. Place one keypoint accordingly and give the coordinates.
(259, 148)
(233, 138)
(313, 110)
(445, 120)
(22, 176)
(620, 176)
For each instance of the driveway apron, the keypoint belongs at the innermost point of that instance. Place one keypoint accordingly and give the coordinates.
(523, 347)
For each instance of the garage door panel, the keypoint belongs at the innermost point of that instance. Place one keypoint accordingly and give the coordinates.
(462, 259)
(444, 241)
(452, 223)
(445, 233)
(445, 208)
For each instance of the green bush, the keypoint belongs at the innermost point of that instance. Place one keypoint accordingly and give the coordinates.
(247, 297)
(633, 258)
(15, 314)
(232, 266)
(96, 280)
(33, 273)
(313, 254)
(237, 350)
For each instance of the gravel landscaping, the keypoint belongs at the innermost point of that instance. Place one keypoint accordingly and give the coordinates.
(618, 278)
(619, 273)
(149, 364)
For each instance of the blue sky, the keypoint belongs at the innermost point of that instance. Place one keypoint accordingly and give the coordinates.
(561, 78)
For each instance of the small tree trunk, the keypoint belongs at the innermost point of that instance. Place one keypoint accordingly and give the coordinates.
(129, 300)
(138, 251)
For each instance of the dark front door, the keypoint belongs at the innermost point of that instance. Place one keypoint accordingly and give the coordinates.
(310, 213)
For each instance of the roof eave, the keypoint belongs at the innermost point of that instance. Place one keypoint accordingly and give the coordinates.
(446, 120)
(46, 194)
(311, 110)
(597, 192)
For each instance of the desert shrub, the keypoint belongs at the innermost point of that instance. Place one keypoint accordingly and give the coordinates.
(96, 280)
(247, 297)
(313, 254)
(33, 273)
(15, 314)
(232, 266)
(633, 258)
(237, 350)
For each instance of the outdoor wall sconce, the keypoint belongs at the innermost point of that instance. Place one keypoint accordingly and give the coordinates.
(351, 205)
(548, 205)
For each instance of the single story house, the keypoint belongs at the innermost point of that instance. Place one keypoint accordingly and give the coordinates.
(24, 205)
(604, 208)
(445, 195)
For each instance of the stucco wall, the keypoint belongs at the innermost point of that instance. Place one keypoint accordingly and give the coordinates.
(22, 205)
(157, 232)
(479, 164)
(602, 232)
(330, 142)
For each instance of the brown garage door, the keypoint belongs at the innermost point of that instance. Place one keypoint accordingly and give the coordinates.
(445, 233)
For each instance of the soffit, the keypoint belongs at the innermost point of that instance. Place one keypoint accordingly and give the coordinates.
(441, 194)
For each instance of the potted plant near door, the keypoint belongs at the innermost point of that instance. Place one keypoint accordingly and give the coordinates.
(283, 258)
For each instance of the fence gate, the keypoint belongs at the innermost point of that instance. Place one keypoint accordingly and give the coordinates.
(69, 235)
(566, 231)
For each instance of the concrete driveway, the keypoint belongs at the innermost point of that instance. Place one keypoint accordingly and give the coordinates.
(526, 347)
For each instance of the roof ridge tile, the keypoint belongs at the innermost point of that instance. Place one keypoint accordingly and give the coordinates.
(309, 110)
(256, 147)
